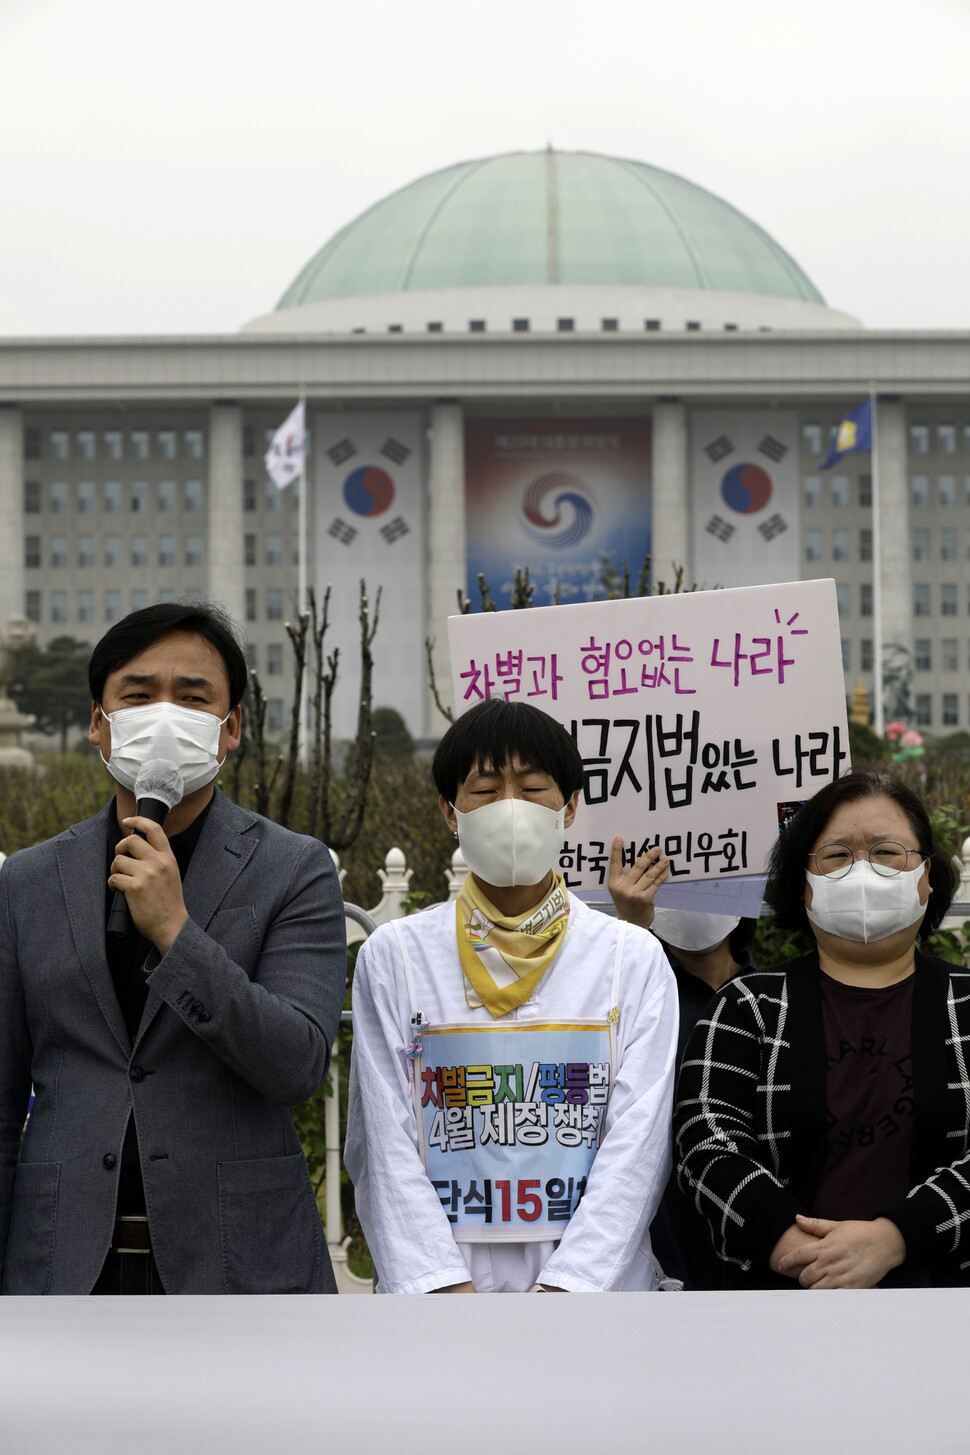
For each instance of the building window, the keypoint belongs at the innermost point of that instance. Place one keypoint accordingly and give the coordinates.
(611, 325)
(193, 496)
(60, 445)
(166, 550)
(693, 325)
(274, 550)
(85, 551)
(112, 496)
(113, 446)
(112, 605)
(948, 599)
(565, 325)
(31, 444)
(652, 325)
(249, 550)
(250, 603)
(476, 325)
(813, 545)
(919, 439)
(31, 497)
(31, 550)
(85, 605)
(59, 551)
(865, 492)
(951, 715)
(58, 606)
(139, 496)
(139, 550)
(194, 597)
(948, 545)
(166, 444)
(813, 490)
(166, 496)
(86, 444)
(250, 655)
(865, 654)
(86, 497)
(842, 598)
(60, 497)
(865, 545)
(840, 491)
(249, 495)
(949, 651)
(194, 442)
(32, 606)
(921, 600)
(139, 598)
(395, 328)
(274, 604)
(274, 497)
(946, 439)
(923, 654)
(520, 325)
(921, 545)
(274, 659)
(432, 328)
(194, 550)
(840, 545)
(948, 489)
(865, 599)
(920, 491)
(812, 439)
(845, 654)
(274, 715)
(140, 444)
(112, 550)
(924, 710)
(249, 442)
(166, 596)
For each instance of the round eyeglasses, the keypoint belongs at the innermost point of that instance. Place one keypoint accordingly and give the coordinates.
(835, 860)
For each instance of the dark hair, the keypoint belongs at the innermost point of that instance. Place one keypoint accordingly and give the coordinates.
(494, 732)
(789, 856)
(137, 631)
(741, 938)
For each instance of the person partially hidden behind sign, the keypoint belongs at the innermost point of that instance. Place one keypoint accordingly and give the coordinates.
(513, 1057)
(824, 1105)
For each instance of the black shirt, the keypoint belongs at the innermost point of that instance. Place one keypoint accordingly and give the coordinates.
(126, 958)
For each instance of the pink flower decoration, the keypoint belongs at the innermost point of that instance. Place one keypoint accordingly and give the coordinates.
(895, 730)
(911, 739)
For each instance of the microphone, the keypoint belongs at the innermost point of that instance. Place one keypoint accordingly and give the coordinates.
(158, 788)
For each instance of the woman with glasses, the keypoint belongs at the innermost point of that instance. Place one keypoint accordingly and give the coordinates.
(823, 1117)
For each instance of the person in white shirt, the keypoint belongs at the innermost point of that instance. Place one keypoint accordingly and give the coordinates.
(513, 1062)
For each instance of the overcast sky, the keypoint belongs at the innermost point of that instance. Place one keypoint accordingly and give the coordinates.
(168, 168)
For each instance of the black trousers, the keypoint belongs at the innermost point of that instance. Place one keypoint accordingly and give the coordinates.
(128, 1273)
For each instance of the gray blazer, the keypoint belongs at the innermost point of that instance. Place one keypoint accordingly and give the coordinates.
(238, 1025)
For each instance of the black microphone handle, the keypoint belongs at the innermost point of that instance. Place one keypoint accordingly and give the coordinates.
(119, 918)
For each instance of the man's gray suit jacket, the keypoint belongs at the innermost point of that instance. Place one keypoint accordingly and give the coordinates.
(237, 1028)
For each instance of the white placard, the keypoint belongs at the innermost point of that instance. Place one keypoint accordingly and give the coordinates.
(744, 496)
(699, 716)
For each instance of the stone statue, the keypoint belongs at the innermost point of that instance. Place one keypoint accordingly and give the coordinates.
(16, 636)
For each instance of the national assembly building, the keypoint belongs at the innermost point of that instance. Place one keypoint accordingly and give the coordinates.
(557, 360)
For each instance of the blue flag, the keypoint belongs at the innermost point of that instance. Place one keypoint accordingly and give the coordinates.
(854, 433)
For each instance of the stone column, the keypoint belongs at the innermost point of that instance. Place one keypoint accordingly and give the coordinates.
(12, 514)
(896, 548)
(446, 544)
(226, 569)
(671, 505)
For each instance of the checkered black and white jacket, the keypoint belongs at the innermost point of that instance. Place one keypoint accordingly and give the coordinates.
(750, 1118)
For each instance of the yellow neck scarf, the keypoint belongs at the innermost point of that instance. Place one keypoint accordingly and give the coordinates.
(504, 959)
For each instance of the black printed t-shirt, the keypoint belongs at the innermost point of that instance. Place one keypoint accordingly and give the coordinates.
(869, 1098)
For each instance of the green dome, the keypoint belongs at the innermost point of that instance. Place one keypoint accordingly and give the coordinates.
(549, 217)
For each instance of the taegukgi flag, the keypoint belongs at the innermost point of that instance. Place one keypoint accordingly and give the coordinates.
(286, 456)
(854, 433)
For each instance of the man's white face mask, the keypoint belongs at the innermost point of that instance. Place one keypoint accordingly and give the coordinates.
(511, 841)
(185, 736)
(863, 905)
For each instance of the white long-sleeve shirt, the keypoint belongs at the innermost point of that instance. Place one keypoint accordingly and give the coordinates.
(605, 1245)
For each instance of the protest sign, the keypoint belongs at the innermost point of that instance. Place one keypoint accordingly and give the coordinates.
(702, 718)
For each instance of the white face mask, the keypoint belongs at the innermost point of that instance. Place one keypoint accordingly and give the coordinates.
(511, 841)
(185, 736)
(863, 905)
(682, 929)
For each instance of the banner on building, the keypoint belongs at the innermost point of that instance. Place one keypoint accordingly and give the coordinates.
(744, 496)
(567, 498)
(368, 471)
(702, 718)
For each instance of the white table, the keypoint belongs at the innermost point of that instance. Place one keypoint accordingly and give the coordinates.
(464, 1375)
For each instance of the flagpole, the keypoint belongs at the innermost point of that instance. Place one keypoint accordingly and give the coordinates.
(879, 723)
(301, 578)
